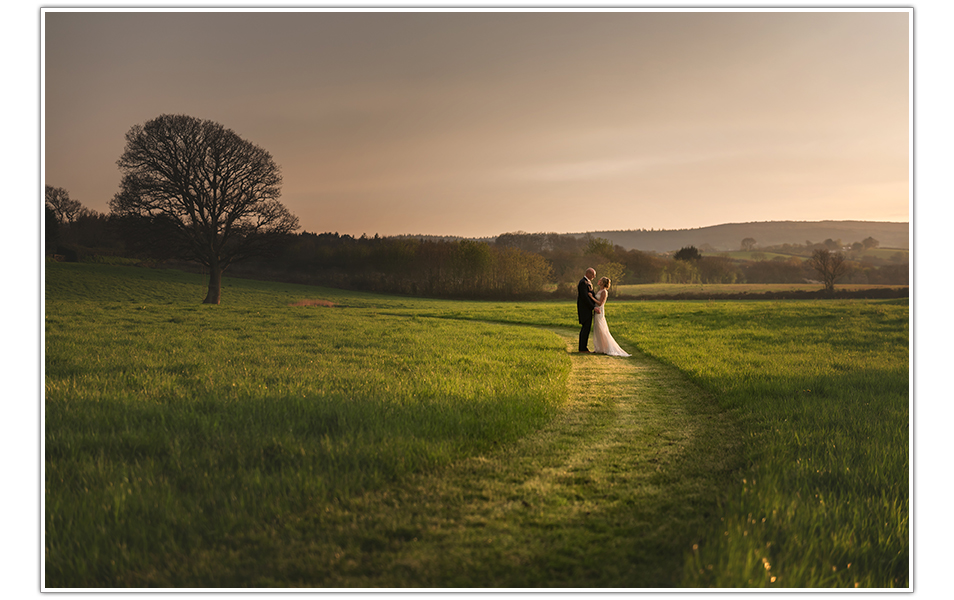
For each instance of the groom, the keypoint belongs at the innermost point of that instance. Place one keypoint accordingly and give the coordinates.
(585, 303)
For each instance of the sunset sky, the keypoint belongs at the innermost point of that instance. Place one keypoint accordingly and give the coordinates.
(480, 123)
(477, 124)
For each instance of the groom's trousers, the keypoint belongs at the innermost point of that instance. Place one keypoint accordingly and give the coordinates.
(586, 325)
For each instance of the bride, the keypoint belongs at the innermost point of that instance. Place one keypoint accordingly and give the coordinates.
(602, 340)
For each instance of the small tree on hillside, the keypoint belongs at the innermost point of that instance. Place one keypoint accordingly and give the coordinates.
(830, 265)
(213, 195)
(748, 244)
(688, 253)
(869, 242)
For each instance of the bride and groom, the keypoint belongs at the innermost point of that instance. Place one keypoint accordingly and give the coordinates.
(590, 308)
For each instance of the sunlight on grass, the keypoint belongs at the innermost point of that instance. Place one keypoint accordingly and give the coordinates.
(821, 390)
(170, 426)
(179, 436)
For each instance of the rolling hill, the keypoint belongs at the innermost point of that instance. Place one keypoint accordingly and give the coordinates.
(727, 237)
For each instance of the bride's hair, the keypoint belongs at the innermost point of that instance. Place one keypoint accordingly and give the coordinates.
(605, 282)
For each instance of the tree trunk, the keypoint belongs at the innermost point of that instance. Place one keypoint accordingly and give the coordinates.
(215, 285)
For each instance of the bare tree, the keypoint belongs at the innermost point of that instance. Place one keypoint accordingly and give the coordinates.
(830, 265)
(64, 208)
(214, 195)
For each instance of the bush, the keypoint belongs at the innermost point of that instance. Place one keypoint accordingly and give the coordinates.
(105, 259)
(776, 271)
(718, 269)
(688, 253)
(681, 271)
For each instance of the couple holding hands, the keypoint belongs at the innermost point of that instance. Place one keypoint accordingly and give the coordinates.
(590, 308)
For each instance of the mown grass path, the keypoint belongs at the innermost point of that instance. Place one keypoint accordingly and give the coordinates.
(612, 493)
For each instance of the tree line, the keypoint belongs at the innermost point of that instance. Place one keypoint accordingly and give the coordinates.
(418, 267)
(512, 266)
(195, 193)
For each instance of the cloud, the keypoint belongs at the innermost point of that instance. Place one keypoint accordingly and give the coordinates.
(579, 170)
(609, 168)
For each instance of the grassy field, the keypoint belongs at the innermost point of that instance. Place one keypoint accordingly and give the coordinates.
(752, 255)
(671, 289)
(887, 253)
(882, 253)
(821, 391)
(171, 425)
(183, 438)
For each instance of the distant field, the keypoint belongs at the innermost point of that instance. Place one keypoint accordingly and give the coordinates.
(669, 289)
(886, 253)
(754, 255)
(881, 253)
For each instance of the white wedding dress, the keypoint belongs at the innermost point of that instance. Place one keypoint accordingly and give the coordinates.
(603, 342)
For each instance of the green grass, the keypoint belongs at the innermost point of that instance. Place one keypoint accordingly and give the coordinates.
(882, 253)
(886, 253)
(606, 495)
(753, 255)
(820, 389)
(669, 289)
(171, 425)
(257, 443)
(822, 392)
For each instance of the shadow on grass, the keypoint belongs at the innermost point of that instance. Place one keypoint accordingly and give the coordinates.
(613, 493)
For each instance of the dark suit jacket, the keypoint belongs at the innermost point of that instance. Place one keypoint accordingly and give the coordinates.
(584, 300)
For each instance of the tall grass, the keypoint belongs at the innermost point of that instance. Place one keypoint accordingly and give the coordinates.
(172, 426)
